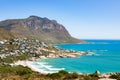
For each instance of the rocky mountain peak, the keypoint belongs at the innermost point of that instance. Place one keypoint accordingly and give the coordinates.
(36, 27)
(33, 17)
(46, 24)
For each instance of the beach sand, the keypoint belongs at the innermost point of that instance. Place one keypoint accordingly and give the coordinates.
(25, 63)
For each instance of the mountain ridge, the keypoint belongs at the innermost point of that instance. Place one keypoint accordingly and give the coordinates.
(44, 29)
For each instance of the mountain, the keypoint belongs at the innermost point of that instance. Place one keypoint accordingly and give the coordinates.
(4, 34)
(36, 27)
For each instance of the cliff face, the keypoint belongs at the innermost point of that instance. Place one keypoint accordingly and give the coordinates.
(39, 28)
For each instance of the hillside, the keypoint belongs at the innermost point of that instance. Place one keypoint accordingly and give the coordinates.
(4, 34)
(39, 28)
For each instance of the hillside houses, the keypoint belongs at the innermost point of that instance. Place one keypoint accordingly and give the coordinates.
(16, 46)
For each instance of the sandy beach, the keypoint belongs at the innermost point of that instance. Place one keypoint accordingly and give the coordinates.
(27, 63)
(23, 63)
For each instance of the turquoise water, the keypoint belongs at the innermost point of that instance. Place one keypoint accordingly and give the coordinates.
(104, 56)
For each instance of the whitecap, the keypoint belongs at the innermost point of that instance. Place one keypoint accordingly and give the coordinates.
(43, 68)
(55, 69)
(92, 54)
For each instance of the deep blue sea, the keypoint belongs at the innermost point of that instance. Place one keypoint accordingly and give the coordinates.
(104, 56)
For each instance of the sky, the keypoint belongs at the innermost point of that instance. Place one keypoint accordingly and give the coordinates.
(84, 19)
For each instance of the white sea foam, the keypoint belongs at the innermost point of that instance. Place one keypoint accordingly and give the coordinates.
(49, 67)
(34, 67)
(43, 63)
(104, 50)
(43, 68)
(54, 69)
(92, 54)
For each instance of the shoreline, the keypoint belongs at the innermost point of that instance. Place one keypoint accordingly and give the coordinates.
(26, 63)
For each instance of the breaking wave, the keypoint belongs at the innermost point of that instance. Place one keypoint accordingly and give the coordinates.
(43, 67)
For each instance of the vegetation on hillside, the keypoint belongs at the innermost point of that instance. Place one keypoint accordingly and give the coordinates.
(25, 73)
(4, 34)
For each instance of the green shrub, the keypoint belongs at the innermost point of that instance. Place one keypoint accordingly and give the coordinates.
(63, 72)
(54, 75)
(20, 70)
(17, 70)
(94, 75)
(73, 75)
(58, 75)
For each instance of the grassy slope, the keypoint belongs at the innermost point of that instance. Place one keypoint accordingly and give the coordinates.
(4, 34)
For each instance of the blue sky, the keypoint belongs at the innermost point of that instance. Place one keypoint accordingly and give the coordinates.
(84, 19)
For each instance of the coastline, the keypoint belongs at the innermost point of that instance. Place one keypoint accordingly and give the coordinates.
(60, 53)
(27, 50)
(27, 63)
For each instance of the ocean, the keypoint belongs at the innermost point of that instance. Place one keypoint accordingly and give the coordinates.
(104, 56)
